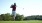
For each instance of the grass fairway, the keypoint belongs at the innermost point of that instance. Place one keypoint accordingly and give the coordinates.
(31, 21)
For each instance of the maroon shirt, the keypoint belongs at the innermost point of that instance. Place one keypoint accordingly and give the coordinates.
(13, 7)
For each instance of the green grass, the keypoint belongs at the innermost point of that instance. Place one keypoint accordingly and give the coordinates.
(31, 21)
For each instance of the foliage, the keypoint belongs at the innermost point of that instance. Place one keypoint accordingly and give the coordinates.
(8, 17)
(19, 17)
(33, 17)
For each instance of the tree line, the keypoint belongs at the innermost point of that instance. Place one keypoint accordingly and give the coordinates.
(9, 17)
(33, 17)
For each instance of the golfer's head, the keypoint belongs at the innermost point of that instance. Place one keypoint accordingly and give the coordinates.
(15, 4)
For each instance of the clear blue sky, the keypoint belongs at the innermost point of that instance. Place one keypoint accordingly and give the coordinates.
(31, 7)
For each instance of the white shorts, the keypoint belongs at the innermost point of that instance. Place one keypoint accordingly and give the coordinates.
(14, 13)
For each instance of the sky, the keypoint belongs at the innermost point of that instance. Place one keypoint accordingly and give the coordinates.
(25, 7)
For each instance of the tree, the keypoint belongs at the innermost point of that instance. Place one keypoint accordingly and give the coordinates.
(33, 17)
(8, 17)
(19, 17)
